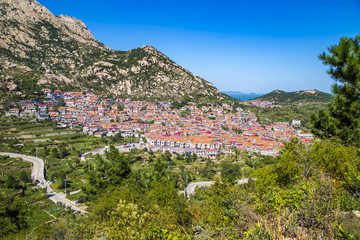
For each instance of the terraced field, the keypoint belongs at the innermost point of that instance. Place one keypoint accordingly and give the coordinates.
(59, 147)
(33, 131)
(21, 192)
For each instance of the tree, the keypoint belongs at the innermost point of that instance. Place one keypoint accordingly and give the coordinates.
(343, 117)
(24, 176)
(55, 153)
(46, 151)
(63, 151)
(112, 170)
(10, 181)
(230, 172)
(14, 214)
(61, 179)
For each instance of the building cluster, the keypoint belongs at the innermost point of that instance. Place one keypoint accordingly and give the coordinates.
(260, 103)
(205, 131)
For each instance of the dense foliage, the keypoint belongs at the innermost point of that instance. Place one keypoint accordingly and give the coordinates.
(284, 98)
(307, 192)
(343, 117)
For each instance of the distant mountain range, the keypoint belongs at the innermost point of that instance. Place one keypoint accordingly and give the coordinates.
(303, 96)
(40, 50)
(242, 93)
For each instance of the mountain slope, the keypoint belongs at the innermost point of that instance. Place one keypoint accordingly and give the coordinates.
(304, 96)
(39, 49)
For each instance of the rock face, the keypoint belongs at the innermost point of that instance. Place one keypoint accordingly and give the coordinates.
(39, 49)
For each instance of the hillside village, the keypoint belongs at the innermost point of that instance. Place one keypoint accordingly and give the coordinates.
(204, 131)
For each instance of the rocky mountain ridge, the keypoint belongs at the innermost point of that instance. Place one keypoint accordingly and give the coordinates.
(39, 49)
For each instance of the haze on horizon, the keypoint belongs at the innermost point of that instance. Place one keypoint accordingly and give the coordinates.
(246, 46)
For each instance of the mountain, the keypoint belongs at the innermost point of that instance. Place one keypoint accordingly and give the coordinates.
(237, 92)
(304, 96)
(39, 49)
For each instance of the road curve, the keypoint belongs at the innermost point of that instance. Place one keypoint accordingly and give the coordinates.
(38, 174)
(191, 187)
(101, 151)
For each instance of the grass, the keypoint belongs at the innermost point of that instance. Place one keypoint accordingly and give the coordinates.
(59, 137)
(39, 217)
(12, 123)
(27, 126)
(38, 132)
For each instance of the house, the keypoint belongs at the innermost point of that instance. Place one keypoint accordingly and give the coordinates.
(62, 110)
(113, 131)
(42, 115)
(57, 95)
(30, 109)
(90, 129)
(99, 134)
(43, 107)
(296, 122)
(14, 111)
(307, 136)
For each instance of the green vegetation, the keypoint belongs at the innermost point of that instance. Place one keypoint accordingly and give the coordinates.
(299, 97)
(294, 105)
(307, 192)
(287, 114)
(342, 119)
(22, 207)
(136, 195)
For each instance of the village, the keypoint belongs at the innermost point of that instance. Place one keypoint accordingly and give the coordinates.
(205, 131)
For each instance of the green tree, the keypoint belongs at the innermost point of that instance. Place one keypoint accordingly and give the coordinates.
(111, 170)
(55, 153)
(343, 117)
(230, 172)
(46, 151)
(14, 214)
(63, 151)
(61, 179)
(24, 176)
(10, 181)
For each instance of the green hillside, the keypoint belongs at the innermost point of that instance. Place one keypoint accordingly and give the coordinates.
(304, 96)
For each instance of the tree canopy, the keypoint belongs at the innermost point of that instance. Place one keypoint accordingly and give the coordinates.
(342, 120)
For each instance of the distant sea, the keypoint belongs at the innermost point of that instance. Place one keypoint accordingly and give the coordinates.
(244, 96)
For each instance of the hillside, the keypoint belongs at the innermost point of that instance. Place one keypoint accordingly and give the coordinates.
(304, 96)
(39, 49)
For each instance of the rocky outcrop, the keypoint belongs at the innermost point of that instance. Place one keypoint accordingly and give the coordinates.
(60, 50)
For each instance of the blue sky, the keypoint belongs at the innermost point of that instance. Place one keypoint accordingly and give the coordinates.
(248, 46)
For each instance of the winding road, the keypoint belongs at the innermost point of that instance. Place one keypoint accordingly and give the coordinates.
(121, 148)
(38, 174)
(191, 187)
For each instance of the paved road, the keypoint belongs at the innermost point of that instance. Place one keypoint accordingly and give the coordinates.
(121, 148)
(38, 167)
(75, 192)
(191, 187)
(38, 174)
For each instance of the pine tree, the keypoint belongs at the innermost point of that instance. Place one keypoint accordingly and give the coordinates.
(343, 117)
